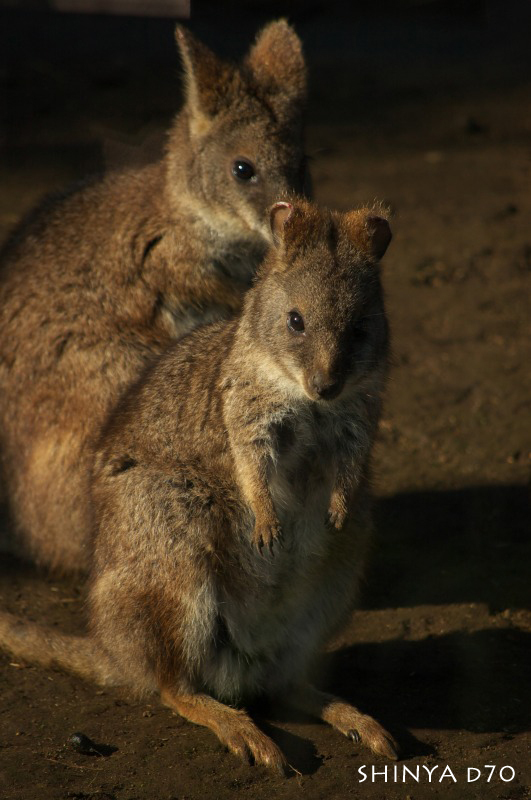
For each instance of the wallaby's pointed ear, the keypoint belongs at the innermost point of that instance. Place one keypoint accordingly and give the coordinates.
(277, 64)
(369, 231)
(278, 216)
(208, 79)
(380, 235)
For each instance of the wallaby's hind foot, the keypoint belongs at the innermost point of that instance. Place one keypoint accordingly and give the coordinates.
(38, 644)
(346, 719)
(234, 728)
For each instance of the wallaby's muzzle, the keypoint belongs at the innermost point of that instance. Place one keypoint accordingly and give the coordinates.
(323, 385)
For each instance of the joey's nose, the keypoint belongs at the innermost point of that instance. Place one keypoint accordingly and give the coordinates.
(326, 387)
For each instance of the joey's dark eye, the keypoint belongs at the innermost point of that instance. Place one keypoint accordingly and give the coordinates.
(295, 322)
(243, 170)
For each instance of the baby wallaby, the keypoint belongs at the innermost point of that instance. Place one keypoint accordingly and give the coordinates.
(231, 494)
(95, 282)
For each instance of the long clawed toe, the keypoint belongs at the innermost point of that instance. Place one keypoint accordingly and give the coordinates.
(238, 748)
(254, 747)
(387, 747)
(381, 743)
(378, 739)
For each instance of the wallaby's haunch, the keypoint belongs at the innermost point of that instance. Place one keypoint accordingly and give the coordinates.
(231, 494)
(95, 283)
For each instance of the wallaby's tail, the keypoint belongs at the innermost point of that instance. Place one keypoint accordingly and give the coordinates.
(41, 645)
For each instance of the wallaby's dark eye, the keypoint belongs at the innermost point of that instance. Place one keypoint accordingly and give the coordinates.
(243, 170)
(295, 322)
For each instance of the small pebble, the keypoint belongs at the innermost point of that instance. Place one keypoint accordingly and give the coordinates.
(82, 744)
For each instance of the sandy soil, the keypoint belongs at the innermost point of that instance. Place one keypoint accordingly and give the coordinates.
(431, 114)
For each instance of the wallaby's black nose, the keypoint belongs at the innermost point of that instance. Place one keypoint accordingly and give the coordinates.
(325, 387)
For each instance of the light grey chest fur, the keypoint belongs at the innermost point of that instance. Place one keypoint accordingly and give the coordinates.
(293, 602)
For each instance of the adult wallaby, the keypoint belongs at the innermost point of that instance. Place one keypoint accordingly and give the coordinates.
(97, 281)
(231, 494)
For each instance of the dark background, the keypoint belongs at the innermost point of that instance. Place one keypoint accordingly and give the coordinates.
(425, 105)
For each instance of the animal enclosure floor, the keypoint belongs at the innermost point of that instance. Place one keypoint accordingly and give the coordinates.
(440, 649)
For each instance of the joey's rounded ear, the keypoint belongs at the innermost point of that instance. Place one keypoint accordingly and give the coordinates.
(278, 216)
(207, 77)
(369, 231)
(277, 64)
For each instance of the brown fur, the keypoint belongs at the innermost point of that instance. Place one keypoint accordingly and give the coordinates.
(97, 281)
(231, 494)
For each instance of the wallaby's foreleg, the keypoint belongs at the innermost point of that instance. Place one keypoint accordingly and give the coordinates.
(346, 718)
(235, 729)
(252, 463)
(344, 487)
(41, 645)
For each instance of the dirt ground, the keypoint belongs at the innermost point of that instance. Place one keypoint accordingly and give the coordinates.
(428, 108)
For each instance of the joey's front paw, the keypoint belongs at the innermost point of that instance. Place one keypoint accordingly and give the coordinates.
(266, 533)
(337, 513)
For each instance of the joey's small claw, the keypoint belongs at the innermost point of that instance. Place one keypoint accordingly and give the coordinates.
(337, 510)
(278, 542)
(354, 735)
(335, 519)
(267, 536)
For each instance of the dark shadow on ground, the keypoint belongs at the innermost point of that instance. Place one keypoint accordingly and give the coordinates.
(452, 546)
(479, 682)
